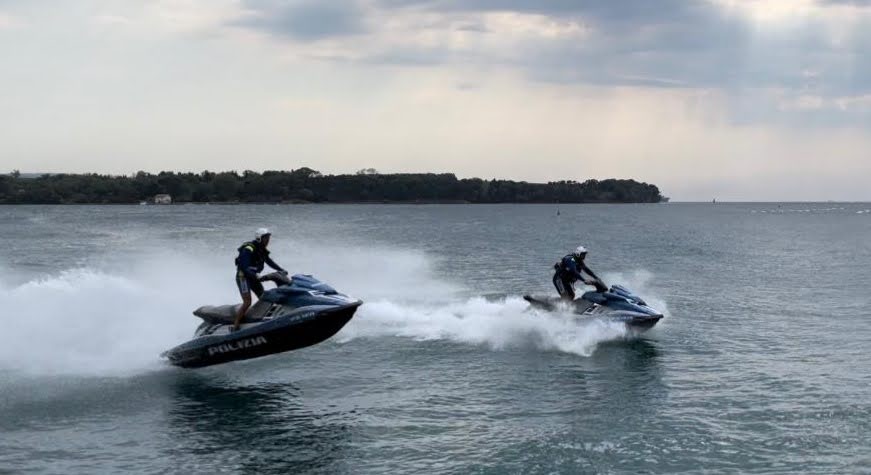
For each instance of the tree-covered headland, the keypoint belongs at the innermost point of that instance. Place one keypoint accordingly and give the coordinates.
(305, 185)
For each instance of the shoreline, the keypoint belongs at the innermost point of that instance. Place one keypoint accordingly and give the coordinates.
(306, 186)
(322, 203)
(447, 202)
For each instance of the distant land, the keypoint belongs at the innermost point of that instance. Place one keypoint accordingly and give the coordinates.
(305, 185)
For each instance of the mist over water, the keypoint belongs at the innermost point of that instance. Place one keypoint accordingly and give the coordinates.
(760, 366)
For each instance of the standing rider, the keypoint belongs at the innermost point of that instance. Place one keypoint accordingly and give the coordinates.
(252, 256)
(568, 271)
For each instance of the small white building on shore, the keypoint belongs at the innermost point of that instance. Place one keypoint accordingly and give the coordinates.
(162, 199)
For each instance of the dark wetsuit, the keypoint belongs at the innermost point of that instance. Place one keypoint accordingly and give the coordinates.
(568, 271)
(252, 257)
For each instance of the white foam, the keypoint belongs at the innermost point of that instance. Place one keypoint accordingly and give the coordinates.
(87, 321)
(499, 324)
(506, 323)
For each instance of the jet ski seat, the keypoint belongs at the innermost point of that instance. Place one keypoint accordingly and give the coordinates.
(226, 314)
(582, 305)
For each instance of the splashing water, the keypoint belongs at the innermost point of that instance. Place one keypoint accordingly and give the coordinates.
(87, 321)
(496, 324)
(94, 321)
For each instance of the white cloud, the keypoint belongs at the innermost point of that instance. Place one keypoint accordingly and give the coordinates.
(9, 21)
(532, 25)
(191, 16)
(773, 11)
(111, 20)
(862, 102)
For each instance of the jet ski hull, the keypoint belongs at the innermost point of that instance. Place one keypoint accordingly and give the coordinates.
(290, 332)
(635, 321)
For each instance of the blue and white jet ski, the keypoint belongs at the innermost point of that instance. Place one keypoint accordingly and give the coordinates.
(617, 304)
(299, 312)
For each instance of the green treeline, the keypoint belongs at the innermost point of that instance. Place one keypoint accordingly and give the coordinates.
(307, 185)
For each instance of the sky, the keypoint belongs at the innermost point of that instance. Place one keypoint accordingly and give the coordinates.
(740, 100)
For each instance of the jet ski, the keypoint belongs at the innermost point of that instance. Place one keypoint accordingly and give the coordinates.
(300, 311)
(617, 304)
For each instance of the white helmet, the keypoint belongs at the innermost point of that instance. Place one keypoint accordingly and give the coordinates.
(261, 232)
(580, 251)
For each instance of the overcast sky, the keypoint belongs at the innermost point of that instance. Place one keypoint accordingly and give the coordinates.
(733, 99)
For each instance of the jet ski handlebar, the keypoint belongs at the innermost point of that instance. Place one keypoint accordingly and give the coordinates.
(279, 278)
(600, 285)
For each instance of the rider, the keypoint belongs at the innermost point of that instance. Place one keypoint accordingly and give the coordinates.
(252, 256)
(568, 271)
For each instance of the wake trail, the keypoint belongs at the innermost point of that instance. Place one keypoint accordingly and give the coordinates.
(501, 324)
(117, 321)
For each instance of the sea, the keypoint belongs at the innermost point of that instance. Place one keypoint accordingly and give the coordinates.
(762, 363)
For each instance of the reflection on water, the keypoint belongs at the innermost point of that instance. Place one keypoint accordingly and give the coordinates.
(257, 428)
(627, 369)
(635, 354)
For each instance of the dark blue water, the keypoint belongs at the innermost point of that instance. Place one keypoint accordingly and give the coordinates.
(761, 366)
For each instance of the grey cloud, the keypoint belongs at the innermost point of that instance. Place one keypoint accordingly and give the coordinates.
(615, 13)
(854, 3)
(304, 21)
(689, 43)
(666, 44)
(674, 43)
